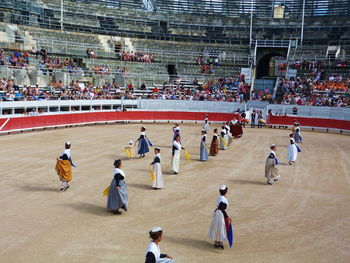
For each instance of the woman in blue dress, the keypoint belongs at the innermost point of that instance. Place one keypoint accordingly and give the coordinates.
(204, 148)
(143, 145)
(118, 193)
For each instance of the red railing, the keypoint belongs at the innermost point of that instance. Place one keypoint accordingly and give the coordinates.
(310, 122)
(31, 122)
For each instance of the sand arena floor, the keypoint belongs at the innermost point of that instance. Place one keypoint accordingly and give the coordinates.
(303, 218)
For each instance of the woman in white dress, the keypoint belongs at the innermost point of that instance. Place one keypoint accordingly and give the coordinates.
(217, 231)
(157, 170)
(153, 254)
(177, 147)
(292, 150)
(223, 139)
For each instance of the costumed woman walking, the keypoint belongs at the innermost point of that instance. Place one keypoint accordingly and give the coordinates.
(297, 135)
(143, 145)
(63, 167)
(271, 171)
(220, 221)
(153, 254)
(214, 146)
(204, 147)
(157, 170)
(118, 193)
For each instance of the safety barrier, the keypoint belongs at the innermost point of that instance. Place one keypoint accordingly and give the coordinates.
(8, 125)
(341, 125)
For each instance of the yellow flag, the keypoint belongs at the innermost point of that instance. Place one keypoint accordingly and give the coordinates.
(223, 141)
(127, 151)
(188, 156)
(105, 192)
(152, 173)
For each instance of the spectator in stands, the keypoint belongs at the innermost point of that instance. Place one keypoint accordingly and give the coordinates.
(91, 54)
(43, 53)
(143, 86)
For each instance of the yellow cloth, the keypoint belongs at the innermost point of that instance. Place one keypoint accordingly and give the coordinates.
(205, 147)
(128, 152)
(105, 192)
(223, 141)
(188, 156)
(152, 173)
(64, 170)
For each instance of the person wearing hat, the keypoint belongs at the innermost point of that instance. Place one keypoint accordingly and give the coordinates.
(223, 139)
(118, 193)
(217, 231)
(297, 135)
(271, 171)
(292, 150)
(206, 126)
(203, 153)
(175, 162)
(214, 146)
(143, 145)
(157, 170)
(153, 254)
(64, 167)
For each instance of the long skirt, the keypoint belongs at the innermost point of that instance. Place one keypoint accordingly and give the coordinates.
(292, 153)
(236, 131)
(223, 142)
(214, 147)
(117, 198)
(158, 180)
(165, 260)
(175, 163)
(271, 171)
(143, 146)
(203, 151)
(297, 137)
(217, 230)
(230, 139)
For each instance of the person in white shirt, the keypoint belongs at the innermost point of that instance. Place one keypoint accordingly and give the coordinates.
(153, 254)
(177, 147)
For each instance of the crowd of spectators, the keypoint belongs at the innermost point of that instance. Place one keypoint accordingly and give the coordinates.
(331, 91)
(136, 57)
(67, 64)
(207, 65)
(15, 59)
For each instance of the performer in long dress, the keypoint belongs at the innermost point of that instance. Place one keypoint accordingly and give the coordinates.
(176, 130)
(157, 170)
(204, 154)
(292, 150)
(153, 254)
(177, 147)
(217, 231)
(63, 167)
(228, 133)
(214, 147)
(297, 135)
(118, 192)
(223, 139)
(143, 145)
(271, 171)
(206, 126)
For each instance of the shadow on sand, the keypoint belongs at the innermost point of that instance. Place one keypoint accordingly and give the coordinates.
(90, 209)
(244, 182)
(191, 242)
(38, 188)
(140, 186)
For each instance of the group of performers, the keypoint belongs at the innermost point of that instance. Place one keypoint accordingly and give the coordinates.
(271, 170)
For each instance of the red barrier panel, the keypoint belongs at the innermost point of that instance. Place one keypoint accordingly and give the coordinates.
(19, 123)
(309, 122)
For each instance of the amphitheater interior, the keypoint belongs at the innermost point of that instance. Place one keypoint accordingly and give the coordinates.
(175, 35)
